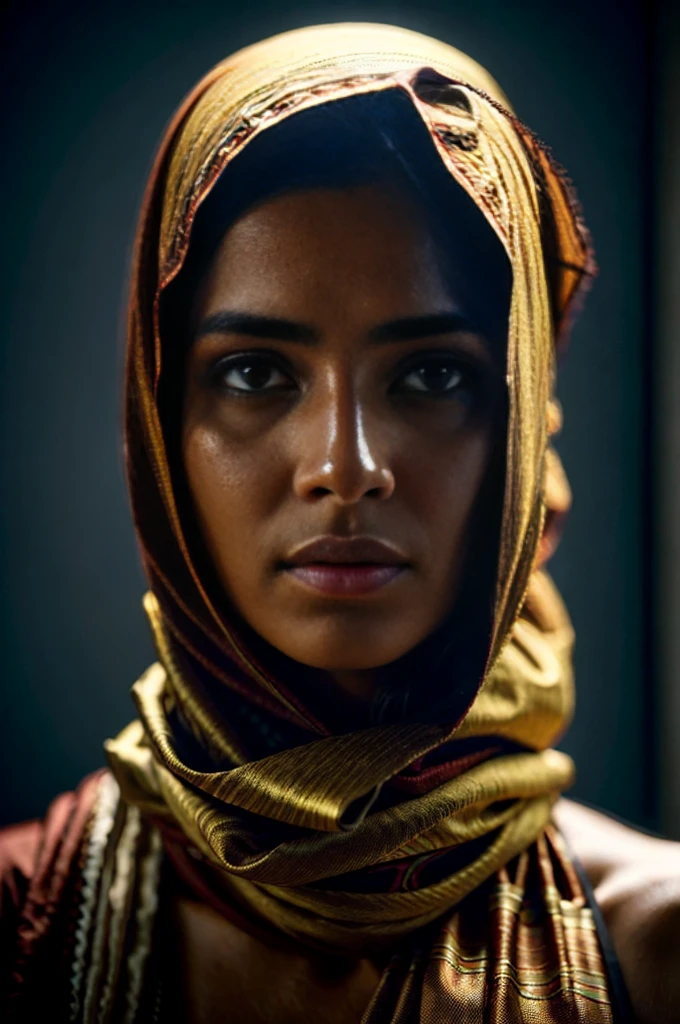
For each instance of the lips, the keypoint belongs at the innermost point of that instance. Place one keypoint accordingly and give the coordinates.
(345, 566)
(346, 550)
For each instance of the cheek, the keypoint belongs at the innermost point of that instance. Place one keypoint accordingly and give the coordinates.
(233, 487)
(450, 481)
(443, 484)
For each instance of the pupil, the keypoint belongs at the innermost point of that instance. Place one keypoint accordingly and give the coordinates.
(436, 378)
(255, 375)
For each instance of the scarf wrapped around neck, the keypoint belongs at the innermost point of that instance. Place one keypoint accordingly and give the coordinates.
(382, 838)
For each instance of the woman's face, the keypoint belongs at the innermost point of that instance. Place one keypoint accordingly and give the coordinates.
(339, 414)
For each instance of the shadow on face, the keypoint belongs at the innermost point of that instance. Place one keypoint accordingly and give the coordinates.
(341, 401)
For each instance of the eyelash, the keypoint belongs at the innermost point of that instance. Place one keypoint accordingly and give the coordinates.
(469, 379)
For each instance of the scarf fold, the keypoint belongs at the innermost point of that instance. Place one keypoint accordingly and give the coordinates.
(383, 838)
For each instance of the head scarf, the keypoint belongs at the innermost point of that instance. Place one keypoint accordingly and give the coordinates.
(359, 842)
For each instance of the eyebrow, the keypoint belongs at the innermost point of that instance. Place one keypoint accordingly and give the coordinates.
(254, 325)
(226, 321)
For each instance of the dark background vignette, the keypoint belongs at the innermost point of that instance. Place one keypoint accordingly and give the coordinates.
(87, 91)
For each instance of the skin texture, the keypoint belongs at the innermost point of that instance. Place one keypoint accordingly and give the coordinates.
(219, 965)
(636, 880)
(345, 433)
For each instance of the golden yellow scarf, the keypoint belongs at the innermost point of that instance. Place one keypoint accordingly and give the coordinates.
(281, 830)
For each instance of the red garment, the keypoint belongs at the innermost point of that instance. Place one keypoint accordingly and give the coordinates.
(39, 880)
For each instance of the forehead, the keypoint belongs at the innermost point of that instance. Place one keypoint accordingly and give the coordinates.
(362, 245)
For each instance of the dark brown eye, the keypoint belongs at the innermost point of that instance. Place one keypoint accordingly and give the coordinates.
(435, 376)
(252, 375)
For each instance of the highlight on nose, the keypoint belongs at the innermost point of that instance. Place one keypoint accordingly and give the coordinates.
(343, 464)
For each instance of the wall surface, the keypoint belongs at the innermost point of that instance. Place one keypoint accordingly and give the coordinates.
(88, 90)
(667, 420)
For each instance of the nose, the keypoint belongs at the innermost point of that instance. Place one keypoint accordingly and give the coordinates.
(340, 456)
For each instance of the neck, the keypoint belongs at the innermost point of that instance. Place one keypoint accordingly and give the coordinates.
(354, 685)
(346, 696)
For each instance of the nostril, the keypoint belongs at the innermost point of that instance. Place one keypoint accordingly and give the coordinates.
(319, 492)
(347, 493)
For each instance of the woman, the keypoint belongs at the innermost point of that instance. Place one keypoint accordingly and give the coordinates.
(353, 271)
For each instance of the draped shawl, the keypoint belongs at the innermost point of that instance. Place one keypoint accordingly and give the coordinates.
(382, 838)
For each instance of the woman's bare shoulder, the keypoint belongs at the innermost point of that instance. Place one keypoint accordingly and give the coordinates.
(636, 880)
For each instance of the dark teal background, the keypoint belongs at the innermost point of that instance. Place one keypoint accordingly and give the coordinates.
(87, 92)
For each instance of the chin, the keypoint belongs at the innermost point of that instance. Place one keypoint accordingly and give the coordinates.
(341, 648)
